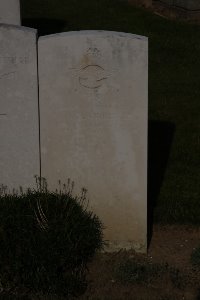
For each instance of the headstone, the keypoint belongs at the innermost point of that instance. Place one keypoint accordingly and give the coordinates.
(19, 136)
(93, 105)
(10, 12)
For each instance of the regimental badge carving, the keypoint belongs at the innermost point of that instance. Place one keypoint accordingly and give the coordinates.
(92, 76)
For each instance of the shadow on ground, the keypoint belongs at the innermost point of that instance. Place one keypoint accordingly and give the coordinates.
(160, 137)
(198, 296)
(45, 26)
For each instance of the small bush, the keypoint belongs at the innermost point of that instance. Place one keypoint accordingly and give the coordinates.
(46, 241)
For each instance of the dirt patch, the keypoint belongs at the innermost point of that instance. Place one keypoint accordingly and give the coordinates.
(166, 273)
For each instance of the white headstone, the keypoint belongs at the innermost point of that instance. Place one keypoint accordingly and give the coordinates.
(10, 12)
(93, 104)
(19, 136)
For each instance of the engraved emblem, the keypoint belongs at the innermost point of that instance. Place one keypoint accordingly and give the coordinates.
(92, 76)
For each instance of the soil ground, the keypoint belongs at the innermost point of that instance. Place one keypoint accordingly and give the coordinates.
(164, 273)
(170, 246)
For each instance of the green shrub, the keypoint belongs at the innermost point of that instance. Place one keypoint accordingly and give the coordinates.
(46, 240)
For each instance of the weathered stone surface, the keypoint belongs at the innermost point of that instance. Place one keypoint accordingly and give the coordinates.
(10, 12)
(19, 136)
(93, 104)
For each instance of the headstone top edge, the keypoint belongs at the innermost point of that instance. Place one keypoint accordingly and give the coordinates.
(22, 28)
(102, 33)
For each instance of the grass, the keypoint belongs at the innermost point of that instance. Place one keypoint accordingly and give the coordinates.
(174, 90)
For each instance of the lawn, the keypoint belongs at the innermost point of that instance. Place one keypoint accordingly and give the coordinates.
(174, 93)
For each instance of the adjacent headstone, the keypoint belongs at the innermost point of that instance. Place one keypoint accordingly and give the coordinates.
(10, 12)
(19, 133)
(93, 105)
